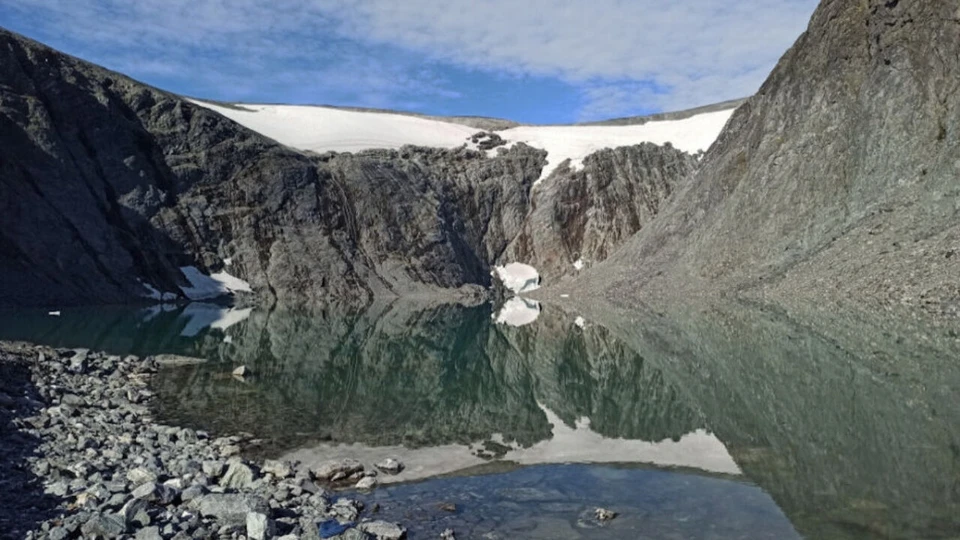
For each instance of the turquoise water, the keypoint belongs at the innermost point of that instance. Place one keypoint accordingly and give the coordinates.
(727, 422)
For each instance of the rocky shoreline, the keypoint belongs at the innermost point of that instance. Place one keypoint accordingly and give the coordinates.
(82, 458)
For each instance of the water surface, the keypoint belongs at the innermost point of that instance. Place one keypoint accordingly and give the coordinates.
(727, 422)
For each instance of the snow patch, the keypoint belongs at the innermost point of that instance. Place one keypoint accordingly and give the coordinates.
(324, 129)
(581, 322)
(519, 278)
(200, 316)
(228, 261)
(54, 313)
(577, 142)
(518, 312)
(579, 265)
(203, 287)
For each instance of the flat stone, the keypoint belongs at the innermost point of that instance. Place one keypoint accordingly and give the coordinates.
(367, 483)
(337, 468)
(149, 533)
(104, 526)
(176, 360)
(383, 530)
(230, 508)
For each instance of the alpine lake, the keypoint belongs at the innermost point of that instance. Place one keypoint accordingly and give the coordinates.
(719, 422)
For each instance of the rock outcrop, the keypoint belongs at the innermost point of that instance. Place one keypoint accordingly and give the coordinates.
(580, 216)
(108, 186)
(838, 179)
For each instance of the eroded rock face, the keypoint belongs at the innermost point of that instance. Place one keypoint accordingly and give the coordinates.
(581, 216)
(839, 178)
(107, 185)
(105, 181)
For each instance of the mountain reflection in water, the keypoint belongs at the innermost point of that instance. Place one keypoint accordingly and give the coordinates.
(850, 424)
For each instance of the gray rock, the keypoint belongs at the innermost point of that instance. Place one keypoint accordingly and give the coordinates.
(260, 527)
(149, 533)
(342, 467)
(141, 475)
(135, 513)
(602, 514)
(104, 526)
(156, 493)
(230, 508)
(214, 469)
(238, 476)
(390, 466)
(193, 492)
(383, 530)
(366, 483)
(280, 469)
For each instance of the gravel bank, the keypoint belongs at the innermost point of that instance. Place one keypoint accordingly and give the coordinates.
(82, 458)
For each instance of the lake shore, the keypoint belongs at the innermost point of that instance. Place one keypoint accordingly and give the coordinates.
(84, 458)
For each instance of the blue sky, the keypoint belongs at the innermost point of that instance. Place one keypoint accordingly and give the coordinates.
(536, 61)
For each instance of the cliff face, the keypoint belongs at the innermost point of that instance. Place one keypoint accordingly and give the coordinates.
(107, 184)
(580, 217)
(838, 178)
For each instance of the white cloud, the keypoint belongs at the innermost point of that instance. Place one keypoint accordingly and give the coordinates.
(621, 53)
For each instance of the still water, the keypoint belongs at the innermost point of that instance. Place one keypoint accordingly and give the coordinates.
(710, 423)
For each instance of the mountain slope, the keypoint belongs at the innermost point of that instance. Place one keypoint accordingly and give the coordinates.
(839, 178)
(112, 191)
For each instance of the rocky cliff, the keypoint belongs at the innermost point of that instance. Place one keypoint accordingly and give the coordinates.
(580, 216)
(838, 179)
(107, 184)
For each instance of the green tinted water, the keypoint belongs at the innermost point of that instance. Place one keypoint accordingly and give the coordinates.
(720, 423)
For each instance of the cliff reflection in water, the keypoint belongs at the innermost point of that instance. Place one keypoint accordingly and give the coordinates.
(850, 422)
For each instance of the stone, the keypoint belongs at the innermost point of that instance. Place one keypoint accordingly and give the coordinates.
(149, 533)
(448, 534)
(140, 476)
(383, 530)
(192, 493)
(104, 526)
(230, 508)
(280, 469)
(260, 527)
(135, 512)
(238, 476)
(338, 468)
(367, 483)
(390, 466)
(602, 514)
(156, 493)
(214, 469)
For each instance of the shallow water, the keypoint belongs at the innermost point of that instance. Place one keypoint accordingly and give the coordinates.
(719, 423)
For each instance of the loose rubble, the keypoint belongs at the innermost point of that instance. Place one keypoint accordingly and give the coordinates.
(112, 473)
